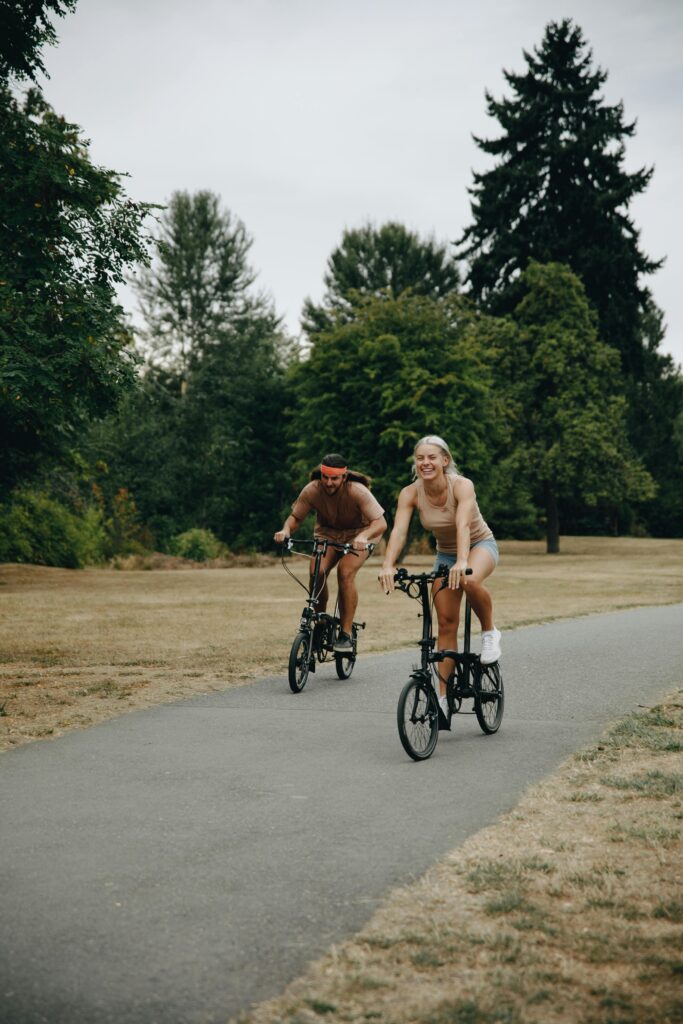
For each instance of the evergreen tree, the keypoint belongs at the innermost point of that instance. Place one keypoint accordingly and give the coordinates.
(373, 262)
(559, 192)
(199, 281)
(212, 400)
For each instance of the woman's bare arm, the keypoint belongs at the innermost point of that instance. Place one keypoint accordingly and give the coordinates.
(407, 502)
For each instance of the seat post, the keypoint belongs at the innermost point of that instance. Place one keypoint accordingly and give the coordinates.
(468, 626)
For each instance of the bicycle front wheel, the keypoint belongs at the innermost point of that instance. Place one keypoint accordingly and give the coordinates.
(300, 661)
(418, 719)
(489, 698)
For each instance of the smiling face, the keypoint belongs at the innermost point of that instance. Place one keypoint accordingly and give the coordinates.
(430, 461)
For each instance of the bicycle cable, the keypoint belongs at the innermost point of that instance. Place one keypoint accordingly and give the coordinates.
(296, 578)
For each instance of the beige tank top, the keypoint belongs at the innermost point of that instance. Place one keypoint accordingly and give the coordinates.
(440, 520)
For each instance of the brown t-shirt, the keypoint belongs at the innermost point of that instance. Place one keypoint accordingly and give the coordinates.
(341, 516)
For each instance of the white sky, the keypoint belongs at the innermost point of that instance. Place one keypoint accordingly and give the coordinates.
(310, 116)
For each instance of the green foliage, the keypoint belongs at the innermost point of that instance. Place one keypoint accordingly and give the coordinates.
(559, 191)
(379, 262)
(36, 528)
(199, 545)
(25, 27)
(564, 403)
(67, 233)
(197, 444)
(197, 286)
(402, 368)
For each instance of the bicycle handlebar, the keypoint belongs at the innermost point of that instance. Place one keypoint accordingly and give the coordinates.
(347, 547)
(404, 580)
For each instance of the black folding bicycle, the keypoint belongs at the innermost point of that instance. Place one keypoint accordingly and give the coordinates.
(418, 705)
(318, 631)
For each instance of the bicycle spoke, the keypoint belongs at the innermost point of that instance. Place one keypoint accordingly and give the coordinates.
(417, 714)
(489, 698)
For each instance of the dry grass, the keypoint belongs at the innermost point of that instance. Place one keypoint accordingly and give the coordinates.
(566, 910)
(81, 646)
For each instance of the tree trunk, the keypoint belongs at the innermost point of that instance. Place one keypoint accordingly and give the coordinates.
(552, 529)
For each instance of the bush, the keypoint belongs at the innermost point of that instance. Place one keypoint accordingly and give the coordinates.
(36, 528)
(198, 545)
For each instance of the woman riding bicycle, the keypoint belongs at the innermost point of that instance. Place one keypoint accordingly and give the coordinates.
(447, 506)
(346, 511)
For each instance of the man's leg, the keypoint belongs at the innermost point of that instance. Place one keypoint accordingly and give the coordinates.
(321, 591)
(348, 594)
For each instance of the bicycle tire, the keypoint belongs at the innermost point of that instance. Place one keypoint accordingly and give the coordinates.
(489, 698)
(300, 661)
(418, 719)
(344, 665)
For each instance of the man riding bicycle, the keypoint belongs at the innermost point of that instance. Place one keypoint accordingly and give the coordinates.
(346, 512)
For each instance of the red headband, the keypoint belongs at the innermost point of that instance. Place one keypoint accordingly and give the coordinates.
(333, 470)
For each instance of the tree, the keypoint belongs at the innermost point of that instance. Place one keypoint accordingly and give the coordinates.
(372, 386)
(385, 261)
(564, 398)
(199, 446)
(559, 192)
(199, 281)
(67, 234)
(25, 27)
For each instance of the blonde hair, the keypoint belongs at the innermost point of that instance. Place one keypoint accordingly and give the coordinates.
(450, 469)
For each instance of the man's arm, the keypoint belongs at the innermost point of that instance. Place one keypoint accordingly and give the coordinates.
(290, 526)
(370, 533)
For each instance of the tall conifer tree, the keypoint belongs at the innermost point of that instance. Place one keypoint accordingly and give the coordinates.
(559, 192)
(379, 262)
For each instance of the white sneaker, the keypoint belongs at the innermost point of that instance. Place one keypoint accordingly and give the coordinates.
(443, 704)
(490, 646)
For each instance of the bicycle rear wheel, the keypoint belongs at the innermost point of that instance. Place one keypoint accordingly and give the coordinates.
(489, 698)
(344, 664)
(418, 719)
(300, 661)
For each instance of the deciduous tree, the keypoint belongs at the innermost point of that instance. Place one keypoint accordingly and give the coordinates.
(565, 402)
(68, 232)
(401, 368)
(25, 27)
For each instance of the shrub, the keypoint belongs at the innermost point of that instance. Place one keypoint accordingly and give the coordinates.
(198, 545)
(36, 528)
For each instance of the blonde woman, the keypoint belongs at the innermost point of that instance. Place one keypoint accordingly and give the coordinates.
(447, 506)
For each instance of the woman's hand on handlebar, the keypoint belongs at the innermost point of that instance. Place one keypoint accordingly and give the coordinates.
(456, 575)
(281, 537)
(386, 578)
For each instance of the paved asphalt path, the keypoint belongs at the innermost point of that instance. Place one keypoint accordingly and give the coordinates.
(179, 863)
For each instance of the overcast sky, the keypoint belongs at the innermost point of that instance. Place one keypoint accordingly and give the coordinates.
(311, 116)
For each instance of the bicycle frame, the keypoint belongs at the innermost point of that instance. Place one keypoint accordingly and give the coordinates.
(419, 713)
(318, 630)
(321, 545)
(465, 660)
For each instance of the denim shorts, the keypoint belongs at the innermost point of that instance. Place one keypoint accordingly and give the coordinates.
(489, 543)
